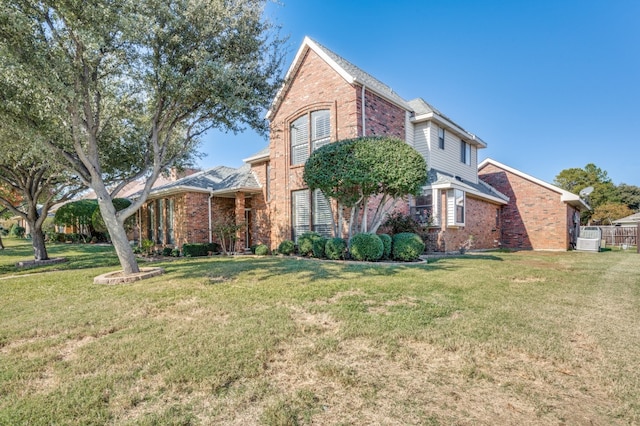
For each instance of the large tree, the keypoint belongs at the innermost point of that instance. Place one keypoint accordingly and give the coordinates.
(576, 179)
(31, 182)
(606, 213)
(134, 83)
(629, 195)
(365, 172)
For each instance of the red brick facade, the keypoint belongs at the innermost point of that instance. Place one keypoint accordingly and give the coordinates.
(535, 217)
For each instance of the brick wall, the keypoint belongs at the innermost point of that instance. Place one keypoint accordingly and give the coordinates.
(314, 86)
(382, 118)
(535, 217)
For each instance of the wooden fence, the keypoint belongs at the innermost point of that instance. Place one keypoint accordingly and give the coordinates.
(619, 235)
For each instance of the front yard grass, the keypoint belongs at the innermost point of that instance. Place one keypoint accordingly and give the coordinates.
(493, 338)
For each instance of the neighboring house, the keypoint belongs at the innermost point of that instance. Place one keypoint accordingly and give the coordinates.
(628, 221)
(539, 215)
(325, 98)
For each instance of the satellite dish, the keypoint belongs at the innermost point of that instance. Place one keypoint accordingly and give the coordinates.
(586, 191)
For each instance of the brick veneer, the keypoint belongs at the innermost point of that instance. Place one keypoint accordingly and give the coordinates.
(535, 217)
(316, 85)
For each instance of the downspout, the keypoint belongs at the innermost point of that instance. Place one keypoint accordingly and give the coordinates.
(364, 113)
(210, 230)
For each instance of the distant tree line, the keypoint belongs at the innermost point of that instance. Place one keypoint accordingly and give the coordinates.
(607, 200)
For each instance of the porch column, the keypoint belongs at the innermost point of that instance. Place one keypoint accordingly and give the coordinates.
(240, 237)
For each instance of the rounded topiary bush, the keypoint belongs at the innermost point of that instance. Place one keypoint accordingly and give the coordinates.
(407, 246)
(305, 243)
(334, 248)
(261, 250)
(386, 243)
(365, 246)
(286, 247)
(319, 247)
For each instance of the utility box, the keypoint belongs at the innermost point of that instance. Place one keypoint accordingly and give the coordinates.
(589, 239)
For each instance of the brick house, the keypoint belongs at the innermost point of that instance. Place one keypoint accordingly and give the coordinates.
(539, 215)
(325, 98)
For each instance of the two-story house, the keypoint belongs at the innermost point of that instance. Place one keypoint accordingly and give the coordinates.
(325, 98)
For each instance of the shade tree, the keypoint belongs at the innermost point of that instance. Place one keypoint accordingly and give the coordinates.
(133, 84)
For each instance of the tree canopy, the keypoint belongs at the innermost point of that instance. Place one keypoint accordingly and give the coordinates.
(126, 88)
(353, 171)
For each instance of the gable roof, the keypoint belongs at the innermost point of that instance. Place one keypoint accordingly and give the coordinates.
(356, 76)
(219, 180)
(425, 111)
(633, 219)
(439, 179)
(351, 73)
(565, 196)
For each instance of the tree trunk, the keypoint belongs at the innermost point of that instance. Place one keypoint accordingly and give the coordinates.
(37, 240)
(117, 233)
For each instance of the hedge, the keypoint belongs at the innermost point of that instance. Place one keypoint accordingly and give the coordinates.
(261, 250)
(197, 249)
(334, 248)
(365, 246)
(305, 243)
(407, 246)
(319, 247)
(386, 243)
(287, 247)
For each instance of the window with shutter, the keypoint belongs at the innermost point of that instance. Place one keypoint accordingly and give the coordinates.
(321, 214)
(465, 153)
(170, 214)
(308, 133)
(300, 213)
(300, 140)
(321, 128)
(441, 137)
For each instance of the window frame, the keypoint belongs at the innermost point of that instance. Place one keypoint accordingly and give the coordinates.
(309, 198)
(441, 137)
(309, 122)
(465, 152)
(459, 204)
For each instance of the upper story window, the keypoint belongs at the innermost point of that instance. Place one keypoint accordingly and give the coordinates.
(441, 137)
(306, 138)
(465, 153)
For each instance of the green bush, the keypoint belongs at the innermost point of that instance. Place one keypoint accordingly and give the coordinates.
(200, 249)
(261, 250)
(287, 247)
(166, 251)
(17, 231)
(319, 247)
(386, 243)
(407, 246)
(175, 252)
(366, 246)
(398, 223)
(334, 248)
(305, 243)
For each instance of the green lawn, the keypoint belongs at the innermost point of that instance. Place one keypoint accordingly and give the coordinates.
(493, 338)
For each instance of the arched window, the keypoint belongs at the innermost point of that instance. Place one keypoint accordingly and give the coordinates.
(306, 138)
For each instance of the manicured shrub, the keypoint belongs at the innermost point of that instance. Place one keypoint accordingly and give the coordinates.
(166, 251)
(386, 243)
(175, 252)
(261, 250)
(194, 250)
(305, 243)
(319, 247)
(334, 248)
(398, 223)
(17, 231)
(407, 246)
(365, 246)
(287, 247)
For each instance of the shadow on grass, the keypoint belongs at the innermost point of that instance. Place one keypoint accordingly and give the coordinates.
(466, 257)
(287, 269)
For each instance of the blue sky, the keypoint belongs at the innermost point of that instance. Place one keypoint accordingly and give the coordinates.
(548, 85)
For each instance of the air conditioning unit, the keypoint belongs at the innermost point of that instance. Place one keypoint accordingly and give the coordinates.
(588, 244)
